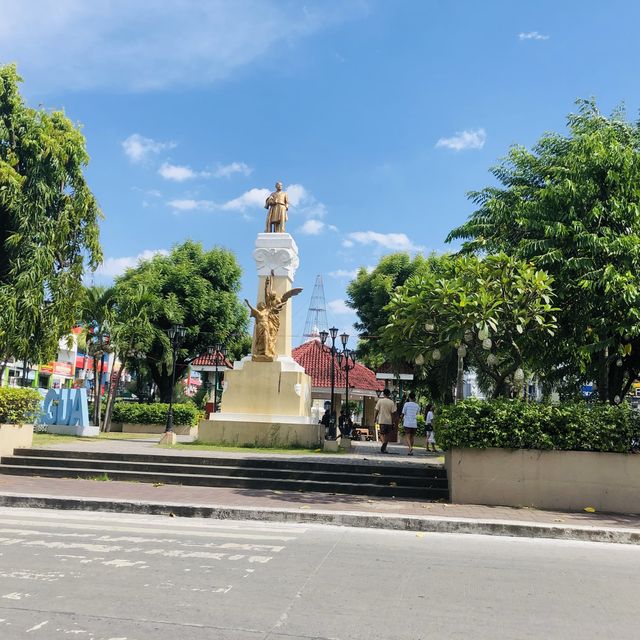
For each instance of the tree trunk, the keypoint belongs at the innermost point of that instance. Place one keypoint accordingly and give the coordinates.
(96, 391)
(111, 398)
(163, 379)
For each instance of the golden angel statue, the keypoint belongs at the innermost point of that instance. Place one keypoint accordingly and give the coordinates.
(267, 321)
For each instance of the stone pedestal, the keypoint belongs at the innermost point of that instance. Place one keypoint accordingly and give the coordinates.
(277, 253)
(268, 403)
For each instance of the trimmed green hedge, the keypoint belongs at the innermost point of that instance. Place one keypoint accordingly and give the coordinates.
(156, 413)
(18, 405)
(481, 424)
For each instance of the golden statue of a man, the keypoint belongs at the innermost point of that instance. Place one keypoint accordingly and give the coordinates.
(277, 204)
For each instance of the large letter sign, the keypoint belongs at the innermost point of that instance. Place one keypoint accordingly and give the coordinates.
(68, 410)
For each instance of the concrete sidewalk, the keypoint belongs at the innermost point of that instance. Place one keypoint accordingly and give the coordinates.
(283, 506)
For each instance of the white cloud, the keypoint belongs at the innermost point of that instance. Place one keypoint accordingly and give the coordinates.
(192, 205)
(339, 307)
(226, 170)
(138, 148)
(315, 228)
(176, 172)
(532, 35)
(112, 267)
(464, 140)
(249, 199)
(148, 45)
(344, 273)
(391, 241)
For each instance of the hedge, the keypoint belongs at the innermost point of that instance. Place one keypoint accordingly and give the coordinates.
(156, 413)
(19, 405)
(481, 424)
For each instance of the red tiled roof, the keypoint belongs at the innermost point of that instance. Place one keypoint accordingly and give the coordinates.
(316, 361)
(206, 360)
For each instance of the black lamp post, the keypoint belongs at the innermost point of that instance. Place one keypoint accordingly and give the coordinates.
(176, 336)
(333, 332)
(219, 353)
(349, 357)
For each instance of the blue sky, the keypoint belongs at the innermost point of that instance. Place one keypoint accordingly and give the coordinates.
(379, 116)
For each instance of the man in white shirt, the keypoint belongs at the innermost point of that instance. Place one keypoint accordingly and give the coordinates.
(383, 415)
(410, 412)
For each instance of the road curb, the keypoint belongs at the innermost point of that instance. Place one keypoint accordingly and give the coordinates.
(398, 522)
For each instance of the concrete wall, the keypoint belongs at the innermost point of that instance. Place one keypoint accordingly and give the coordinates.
(129, 427)
(260, 434)
(565, 480)
(14, 436)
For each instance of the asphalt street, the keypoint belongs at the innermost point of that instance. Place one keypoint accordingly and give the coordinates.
(101, 576)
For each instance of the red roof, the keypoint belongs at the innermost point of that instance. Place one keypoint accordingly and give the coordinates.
(316, 361)
(206, 360)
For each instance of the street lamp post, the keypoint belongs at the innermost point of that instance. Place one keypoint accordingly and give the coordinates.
(176, 336)
(349, 358)
(333, 332)
(219, 353)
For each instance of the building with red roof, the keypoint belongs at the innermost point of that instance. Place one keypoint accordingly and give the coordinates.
(363, 385)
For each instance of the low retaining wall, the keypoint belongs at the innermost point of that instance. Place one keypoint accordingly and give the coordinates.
(15, 436)
(130, 427)
(260, 434)
(563, 480)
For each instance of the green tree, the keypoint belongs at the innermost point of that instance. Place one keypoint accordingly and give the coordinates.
(494, 311)
(572, 206)
(96, 320)
(192, 287)
(48, 224)
(132, 333)
(370, 293)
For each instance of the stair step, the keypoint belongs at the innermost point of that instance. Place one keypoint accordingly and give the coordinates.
(383, 468)
(234, 481)
(176, 467)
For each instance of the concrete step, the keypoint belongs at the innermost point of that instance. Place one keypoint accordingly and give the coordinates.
(177, 467)
(98, 473)
(329, 464)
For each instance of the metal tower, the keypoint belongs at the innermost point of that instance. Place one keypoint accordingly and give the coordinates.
(317, 314)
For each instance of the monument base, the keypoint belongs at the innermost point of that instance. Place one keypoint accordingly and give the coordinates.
(73, 430)
(242, 430)
(267, 391)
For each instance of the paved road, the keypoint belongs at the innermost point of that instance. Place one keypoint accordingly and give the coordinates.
(108, 577)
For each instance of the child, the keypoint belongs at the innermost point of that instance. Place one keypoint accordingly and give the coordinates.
(431, 435)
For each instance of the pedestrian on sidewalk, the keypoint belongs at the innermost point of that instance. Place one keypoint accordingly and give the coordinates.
(410, 411)
(383, 415)
(429, 428)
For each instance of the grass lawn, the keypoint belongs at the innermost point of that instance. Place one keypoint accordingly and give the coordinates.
(44, 439)
(199, 446)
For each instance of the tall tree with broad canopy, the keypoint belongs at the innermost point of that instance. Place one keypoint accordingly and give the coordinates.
(192, 287)
(495, 312)
(369, 294)
(48, 225)
(572, 206)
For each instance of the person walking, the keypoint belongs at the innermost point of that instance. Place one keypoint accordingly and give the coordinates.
(410, 410)
(383, 416)
(431, 434)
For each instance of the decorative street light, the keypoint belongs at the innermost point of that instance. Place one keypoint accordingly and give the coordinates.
(176, 336)
(349, 357)
(323, 337)
(219, 353)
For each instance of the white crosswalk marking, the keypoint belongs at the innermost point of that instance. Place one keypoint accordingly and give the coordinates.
(62, 554)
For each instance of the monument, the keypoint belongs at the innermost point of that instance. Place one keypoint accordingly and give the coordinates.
(266, 399)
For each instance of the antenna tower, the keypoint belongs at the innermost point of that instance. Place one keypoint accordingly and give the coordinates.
(317, 314)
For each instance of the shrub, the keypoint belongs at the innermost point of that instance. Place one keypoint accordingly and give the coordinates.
(480, 424)
(156, 413)
(18, 405)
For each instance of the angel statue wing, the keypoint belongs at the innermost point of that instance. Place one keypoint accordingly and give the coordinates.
(291, 293)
